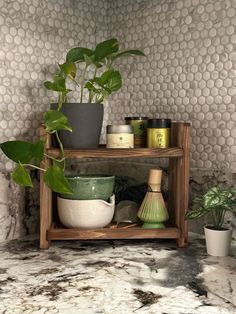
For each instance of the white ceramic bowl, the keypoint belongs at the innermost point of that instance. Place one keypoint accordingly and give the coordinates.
(85, 214)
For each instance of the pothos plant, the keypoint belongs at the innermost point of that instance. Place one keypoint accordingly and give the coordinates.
(216, 201)
(88, 69)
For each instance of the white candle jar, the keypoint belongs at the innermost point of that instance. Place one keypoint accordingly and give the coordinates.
(119, 136)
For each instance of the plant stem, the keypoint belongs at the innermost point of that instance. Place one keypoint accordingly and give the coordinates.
(82, 83)
(60, 101)
(55, 159)
(61, 149)
(33, 166)
(214, 217)
(90, 91)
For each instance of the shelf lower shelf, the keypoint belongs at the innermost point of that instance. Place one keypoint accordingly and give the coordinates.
(112, 232)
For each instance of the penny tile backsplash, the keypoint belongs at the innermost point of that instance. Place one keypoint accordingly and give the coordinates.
(189, 74)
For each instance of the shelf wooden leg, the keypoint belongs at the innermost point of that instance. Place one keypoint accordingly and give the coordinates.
(45, 213)
(45, 200)
(179, 181)
(184, 179)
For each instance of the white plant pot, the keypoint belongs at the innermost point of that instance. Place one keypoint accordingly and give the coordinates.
(218, 241)
(85, 214)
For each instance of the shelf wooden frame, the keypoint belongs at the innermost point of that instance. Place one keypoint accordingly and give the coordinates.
(177, 229)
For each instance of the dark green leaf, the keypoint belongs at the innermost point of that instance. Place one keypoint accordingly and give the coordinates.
(23, 152)
(110, 80)
(38, 151)
(56, 181)
(58, 84)
(21, 176)
(114, 81)
(106, 48)
(105, 76)
(127, 53)
(77, 54)
(56, 120)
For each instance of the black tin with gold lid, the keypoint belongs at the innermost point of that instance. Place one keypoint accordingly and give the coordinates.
(158, 133)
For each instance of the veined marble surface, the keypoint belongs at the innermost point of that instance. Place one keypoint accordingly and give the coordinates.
(116, 277)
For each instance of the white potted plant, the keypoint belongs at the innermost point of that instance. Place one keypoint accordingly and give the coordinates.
(216, 201)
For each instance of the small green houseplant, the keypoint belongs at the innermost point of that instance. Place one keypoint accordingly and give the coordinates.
(93, 74)
(103, 80)
(216, 201)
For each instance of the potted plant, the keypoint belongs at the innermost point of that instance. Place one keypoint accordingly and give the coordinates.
(92, 72)
(99, 86)
(216, 201)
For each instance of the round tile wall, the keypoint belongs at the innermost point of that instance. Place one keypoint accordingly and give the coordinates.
(35, 36)
(189, 72)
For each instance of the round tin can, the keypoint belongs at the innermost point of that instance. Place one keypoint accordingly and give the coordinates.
(119, 136)
(158, 133)
(139, 125)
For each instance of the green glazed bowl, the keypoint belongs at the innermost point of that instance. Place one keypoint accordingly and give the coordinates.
(90, 187)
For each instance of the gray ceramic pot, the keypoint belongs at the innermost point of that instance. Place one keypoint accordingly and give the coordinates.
(86, 122)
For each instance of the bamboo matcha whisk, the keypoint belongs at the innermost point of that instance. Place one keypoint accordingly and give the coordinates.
(153, 210)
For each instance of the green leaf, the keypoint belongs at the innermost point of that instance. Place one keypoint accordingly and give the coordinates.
(90, 86)
(56, 120)
(21, 176)
(58, 84)
(23, 152)
(38, 151)
(69, 69)
(213, 198)
(110, 80)
(127, 53)
(196, 213)
(56, 181)
(114, 81)
(106, 48)
(88, 60)
(105, 76)
(77, 54)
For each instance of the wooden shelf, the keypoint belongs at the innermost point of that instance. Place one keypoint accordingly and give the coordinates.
(113, 232)
(119, 152)
(178, 192)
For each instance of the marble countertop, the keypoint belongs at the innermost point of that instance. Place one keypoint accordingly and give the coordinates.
(116, 277)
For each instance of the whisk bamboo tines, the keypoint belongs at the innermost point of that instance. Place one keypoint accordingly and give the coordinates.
(153, 210)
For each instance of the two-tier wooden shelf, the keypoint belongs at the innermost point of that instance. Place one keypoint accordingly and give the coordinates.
(176, 227)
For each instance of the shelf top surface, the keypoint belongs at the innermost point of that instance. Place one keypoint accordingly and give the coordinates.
(103, 152)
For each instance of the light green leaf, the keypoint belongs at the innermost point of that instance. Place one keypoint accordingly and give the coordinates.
(56, 120)
(90, 86)
(69, 69)
(77, 54)
(21, 176)
(56, 181)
